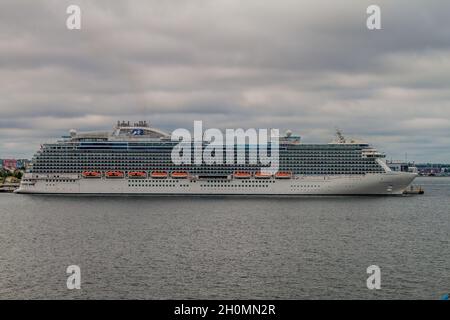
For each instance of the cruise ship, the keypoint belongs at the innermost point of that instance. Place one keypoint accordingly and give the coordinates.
(135, 159)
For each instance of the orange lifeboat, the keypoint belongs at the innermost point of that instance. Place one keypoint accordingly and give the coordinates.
(137, 174)
(283, 175)
(159, 174)
(114, 174)
(262, 175)
(92, 174)
(179, 174)
(242, 175)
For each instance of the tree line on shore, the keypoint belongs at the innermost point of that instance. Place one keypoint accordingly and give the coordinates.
(16, 174)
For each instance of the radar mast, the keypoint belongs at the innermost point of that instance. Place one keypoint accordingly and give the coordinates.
(340, 136)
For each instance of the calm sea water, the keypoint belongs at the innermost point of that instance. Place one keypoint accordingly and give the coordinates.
(226, 248)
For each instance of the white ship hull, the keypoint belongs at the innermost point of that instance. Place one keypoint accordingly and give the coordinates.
(390, 183)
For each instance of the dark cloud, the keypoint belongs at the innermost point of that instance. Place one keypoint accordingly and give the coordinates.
(300, 64)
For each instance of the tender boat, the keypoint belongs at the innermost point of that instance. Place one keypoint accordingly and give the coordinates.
(242, 175)
(114, 174)
(92, 174)
(137, 174)
(179, 174)
(159, 174)
(262, 175)
(283, 175)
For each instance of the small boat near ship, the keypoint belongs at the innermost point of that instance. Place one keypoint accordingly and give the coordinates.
(414, 190)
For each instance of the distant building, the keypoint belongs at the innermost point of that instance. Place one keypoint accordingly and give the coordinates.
(13, 164)
(434, 169)
(402, 166)
(10, 164)
(22, 163)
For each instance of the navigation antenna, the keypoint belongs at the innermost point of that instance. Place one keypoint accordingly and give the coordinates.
(340, 136)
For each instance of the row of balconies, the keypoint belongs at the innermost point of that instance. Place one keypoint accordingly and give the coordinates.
(150, 163)
(291, 153)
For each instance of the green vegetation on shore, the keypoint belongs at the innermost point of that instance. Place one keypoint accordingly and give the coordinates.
(15, 175)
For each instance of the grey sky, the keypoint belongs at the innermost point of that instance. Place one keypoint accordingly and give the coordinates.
(309, 66)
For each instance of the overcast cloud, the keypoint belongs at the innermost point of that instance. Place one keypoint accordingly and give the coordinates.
(304, 65)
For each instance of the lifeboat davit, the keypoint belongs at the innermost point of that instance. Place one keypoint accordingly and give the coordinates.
(283, 175)
(159, 174)
(92, 174)
(137, 174)
(262, 175)
(242, 175)
(179, 174)
(114, 174)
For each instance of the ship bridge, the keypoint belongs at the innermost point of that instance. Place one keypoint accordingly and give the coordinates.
(137, 130)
